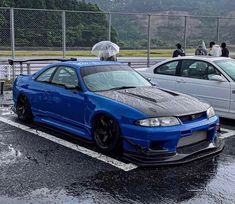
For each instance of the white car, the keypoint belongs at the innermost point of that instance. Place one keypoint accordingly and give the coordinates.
(210, 79)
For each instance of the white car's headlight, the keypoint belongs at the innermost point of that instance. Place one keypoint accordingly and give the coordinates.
(210, 112)
(158, 122)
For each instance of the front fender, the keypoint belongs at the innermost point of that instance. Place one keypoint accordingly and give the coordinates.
(121, 112)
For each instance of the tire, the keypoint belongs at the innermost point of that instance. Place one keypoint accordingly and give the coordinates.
(106, 134)
(23, 109)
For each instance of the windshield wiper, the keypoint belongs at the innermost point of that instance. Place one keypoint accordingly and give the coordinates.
(122, 87)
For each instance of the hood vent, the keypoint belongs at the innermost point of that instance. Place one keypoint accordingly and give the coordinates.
(143, 97)
(169, 92)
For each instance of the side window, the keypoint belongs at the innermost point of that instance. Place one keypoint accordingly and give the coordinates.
(167, 69)
(65, 76)
(46, 75)
(198, 69)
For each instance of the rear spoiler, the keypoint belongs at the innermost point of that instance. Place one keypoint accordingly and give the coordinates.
(14, 61)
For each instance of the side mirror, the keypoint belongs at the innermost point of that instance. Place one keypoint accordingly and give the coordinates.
(216, 78)
(151, 82)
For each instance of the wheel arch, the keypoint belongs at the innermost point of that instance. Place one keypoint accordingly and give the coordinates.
(27, 115)
(118, 147)
(21, 94)
(101, 113)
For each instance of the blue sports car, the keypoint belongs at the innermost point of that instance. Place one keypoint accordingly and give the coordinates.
(114, 106)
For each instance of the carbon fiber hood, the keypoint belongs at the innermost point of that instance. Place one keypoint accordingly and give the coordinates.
(156, 102)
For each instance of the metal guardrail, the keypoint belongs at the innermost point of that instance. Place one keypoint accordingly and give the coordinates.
(15, 67)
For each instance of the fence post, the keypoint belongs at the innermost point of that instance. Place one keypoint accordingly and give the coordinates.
(8, 72)
(185, 33)
(28, 69)
(21, 68)
(64, 34)
(1, 87)
(217, 29)
(110, 26)
(149, 40)
(12, 32)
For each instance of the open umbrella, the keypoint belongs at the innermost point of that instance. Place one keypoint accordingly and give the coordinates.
(105, 49)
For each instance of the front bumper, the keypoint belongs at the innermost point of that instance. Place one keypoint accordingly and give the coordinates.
(161, 146)
(181, 156)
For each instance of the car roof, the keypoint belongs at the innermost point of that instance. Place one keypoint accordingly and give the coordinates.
(204, 58)
(201, 57)
(88, 63)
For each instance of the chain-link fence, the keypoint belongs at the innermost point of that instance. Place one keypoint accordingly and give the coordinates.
(131, 30)
(83, 30)
(5, 38)
(36, 32)
(166, 31)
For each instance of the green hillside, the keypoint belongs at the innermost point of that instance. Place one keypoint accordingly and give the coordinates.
(166, 31)
(200, 7)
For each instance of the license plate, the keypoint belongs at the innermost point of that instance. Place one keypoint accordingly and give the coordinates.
(196, 137)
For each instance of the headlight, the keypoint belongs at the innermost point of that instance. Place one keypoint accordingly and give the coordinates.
(157, 122)
(210, 112)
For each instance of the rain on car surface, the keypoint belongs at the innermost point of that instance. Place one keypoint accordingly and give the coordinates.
(114, 106)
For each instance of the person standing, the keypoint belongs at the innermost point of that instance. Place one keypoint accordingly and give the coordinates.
(210, 48)
(201, 49)
(179, 51)
(225, 51)
(111, 58)
(214, 50)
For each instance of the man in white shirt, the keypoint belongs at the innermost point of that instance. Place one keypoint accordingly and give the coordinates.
(215, 50)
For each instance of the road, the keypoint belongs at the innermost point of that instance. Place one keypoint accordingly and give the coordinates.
(40, 165)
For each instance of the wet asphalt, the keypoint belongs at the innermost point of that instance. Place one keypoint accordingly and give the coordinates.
(35, 170)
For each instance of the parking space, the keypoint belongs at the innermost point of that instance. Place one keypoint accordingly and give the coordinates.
(41, 165)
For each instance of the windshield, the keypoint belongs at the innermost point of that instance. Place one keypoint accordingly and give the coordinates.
(108, 77)
(228, 66)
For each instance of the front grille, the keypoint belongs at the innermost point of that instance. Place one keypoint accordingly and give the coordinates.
(196, 137)
(188, 118)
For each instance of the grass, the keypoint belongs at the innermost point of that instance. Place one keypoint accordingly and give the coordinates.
(123, 53)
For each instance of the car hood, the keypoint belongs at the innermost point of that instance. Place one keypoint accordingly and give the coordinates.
(157, 102)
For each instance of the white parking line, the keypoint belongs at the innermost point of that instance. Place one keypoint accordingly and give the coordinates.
(7, 113)
(121, 165)
(229, 133)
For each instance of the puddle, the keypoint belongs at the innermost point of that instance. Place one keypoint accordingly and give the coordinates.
(8, 154)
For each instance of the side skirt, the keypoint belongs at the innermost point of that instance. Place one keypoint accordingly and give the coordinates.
(64, 127)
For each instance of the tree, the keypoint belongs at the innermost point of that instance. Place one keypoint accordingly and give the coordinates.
(44, 28)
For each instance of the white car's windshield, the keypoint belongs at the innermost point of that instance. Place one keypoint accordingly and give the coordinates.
(228, 66)
(108, 77)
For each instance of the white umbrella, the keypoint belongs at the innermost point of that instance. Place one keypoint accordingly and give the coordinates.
(105, 49)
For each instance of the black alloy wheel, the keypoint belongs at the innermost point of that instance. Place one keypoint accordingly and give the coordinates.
(23, 109)
(106, 134)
